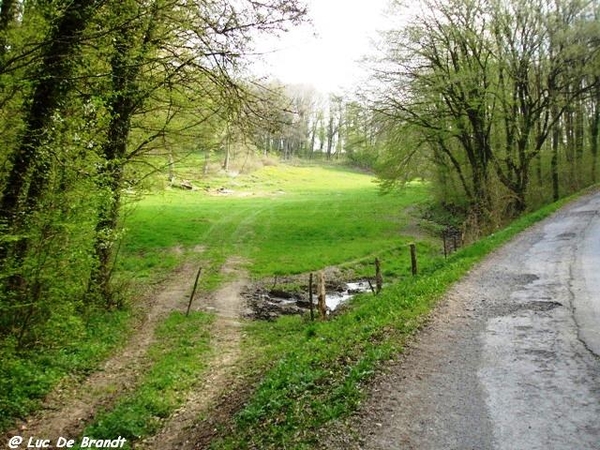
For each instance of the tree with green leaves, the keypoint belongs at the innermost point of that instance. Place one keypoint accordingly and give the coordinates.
(103, 85)
(482, 86)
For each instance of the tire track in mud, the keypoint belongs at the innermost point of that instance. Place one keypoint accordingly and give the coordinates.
(227, 304)
(66, 411)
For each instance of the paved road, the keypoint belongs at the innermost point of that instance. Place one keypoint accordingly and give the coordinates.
(511, 359)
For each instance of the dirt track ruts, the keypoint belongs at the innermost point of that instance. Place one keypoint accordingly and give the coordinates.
(67, 410)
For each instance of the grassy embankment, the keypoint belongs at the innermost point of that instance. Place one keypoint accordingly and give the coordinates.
(318, 369)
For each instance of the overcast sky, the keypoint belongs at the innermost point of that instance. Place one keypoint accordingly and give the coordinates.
(325, 54)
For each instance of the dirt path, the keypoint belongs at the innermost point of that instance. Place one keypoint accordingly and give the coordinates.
(228, 305)
(66, 411)
(506, 362)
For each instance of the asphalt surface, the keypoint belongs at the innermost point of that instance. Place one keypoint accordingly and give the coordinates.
(510, 360)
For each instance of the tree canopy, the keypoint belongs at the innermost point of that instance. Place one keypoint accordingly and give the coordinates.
(500, 96)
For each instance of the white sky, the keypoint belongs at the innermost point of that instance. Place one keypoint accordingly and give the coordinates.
(325, 55)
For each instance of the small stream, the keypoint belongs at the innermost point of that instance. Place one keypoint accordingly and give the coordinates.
(335, 299)
(270, 304)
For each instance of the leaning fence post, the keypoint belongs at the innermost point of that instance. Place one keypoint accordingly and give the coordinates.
(445, 244)
(187, 313)
(413, 259)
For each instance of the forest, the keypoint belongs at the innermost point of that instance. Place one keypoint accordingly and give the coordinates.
(493, 104)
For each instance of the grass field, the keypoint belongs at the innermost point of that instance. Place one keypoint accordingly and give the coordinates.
(316, 371)
(281, 220)
(286, 220)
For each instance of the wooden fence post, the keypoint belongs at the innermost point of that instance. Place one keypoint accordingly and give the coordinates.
(187, 313)
(445, 244)
(378, 276)
(321, 295)
(310, 297)
(413, 259)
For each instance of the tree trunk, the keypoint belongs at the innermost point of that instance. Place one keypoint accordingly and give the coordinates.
(330, 136)
(570, 145)
(227, 151)
(313, 137)
(578, 134)
(206, 163)
(125, 68)
(110, 180)
(29, 169)
(8, 10)
(171, 166)
(554, 162)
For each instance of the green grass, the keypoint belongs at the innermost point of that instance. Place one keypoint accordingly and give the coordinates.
(281, 220)
(177, 361)
(315, 371)
(26, 376)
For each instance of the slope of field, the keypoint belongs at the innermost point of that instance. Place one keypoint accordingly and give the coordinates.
(216, 380)
(281, 220)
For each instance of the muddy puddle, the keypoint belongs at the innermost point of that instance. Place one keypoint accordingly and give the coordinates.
(269, 302)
